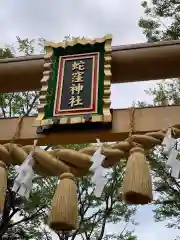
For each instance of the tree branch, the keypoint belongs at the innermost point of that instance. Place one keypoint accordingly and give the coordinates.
(32, 105)
(27, 218)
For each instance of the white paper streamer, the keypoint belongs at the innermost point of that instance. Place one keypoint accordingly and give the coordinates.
(97, 159)
(167, 137)
(99, 173)
(168, 142)
(172, 157)
(175, 168)
(23, 182)
(100, 186)
(98, 178)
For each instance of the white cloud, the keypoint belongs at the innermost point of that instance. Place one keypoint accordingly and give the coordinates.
(93, 18)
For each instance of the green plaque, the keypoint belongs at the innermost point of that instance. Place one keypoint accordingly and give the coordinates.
(76, 82)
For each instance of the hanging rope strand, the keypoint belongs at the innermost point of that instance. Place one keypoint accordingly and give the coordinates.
(131, 125)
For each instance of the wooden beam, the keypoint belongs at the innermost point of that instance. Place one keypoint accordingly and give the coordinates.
(145, 120)
(130, 63)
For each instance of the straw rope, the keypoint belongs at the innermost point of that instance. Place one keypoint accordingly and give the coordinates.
(58, 161)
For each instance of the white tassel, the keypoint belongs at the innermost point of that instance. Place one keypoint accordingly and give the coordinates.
(23, 183)
(98, 178)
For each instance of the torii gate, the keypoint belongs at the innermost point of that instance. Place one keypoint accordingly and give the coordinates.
(145, 126)
(130, 63)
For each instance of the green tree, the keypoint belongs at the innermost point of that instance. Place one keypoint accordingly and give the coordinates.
(27, 220)
(5, 53)
(161, 22)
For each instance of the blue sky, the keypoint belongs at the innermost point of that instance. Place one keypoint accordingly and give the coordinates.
(92, 18)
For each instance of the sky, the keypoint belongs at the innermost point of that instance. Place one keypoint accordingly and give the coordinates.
(55, 19)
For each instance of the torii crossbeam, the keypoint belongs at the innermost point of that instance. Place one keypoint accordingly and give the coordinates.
(145, 120)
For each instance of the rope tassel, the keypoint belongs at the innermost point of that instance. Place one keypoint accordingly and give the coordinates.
(3, 184)
(64, 211)
(137, 186)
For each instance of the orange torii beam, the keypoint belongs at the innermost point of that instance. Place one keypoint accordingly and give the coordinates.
(130, 63)
(148, 119)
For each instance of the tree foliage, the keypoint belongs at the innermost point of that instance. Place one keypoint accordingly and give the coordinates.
(162, 20)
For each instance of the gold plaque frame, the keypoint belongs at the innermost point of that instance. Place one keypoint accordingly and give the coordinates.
(43, 95)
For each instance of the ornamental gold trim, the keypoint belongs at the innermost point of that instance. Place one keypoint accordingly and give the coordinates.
(44, 87)
(75, 41)
(107, 80)
(71, 120)
(106, 116)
